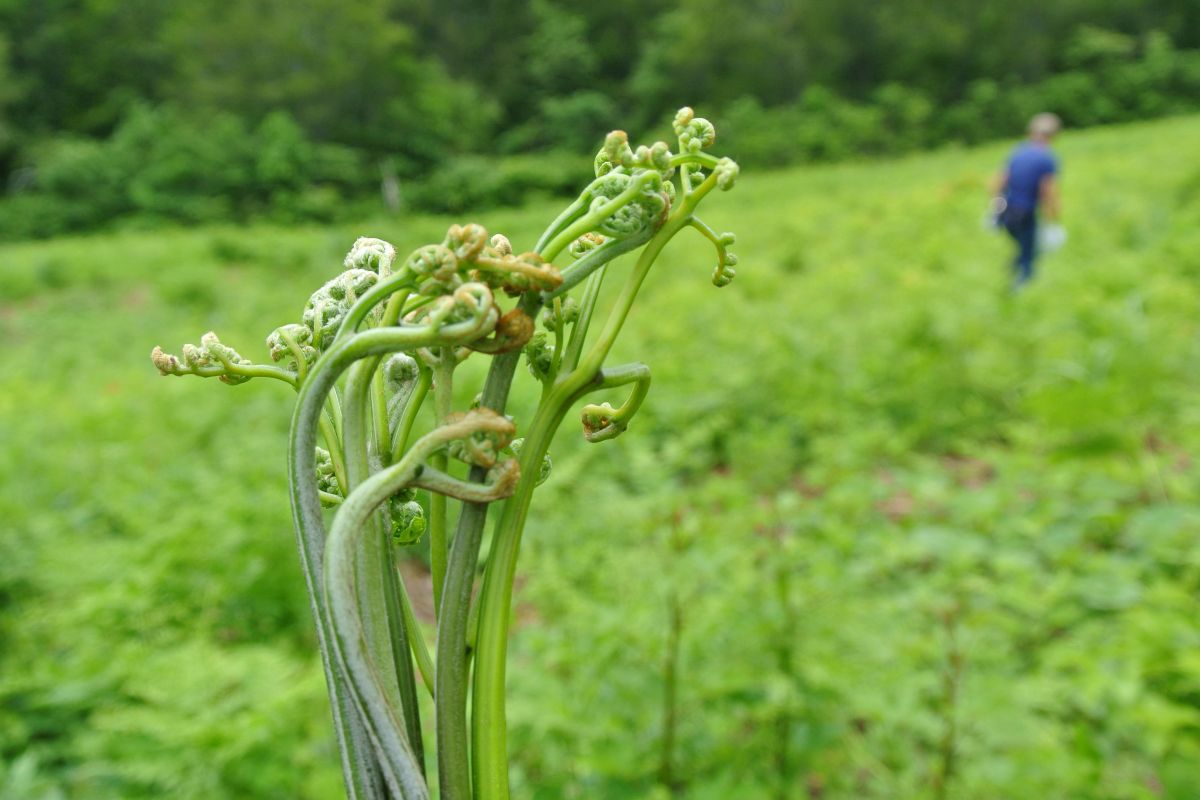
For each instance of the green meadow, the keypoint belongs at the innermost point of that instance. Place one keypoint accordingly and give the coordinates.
(883, 529)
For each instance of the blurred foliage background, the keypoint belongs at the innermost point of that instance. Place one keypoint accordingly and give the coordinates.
(881, 530)
(207, 110)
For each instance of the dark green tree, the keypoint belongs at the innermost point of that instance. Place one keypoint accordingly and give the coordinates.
(348, 73)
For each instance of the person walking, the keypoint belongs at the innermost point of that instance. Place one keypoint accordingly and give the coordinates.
(1026, 185)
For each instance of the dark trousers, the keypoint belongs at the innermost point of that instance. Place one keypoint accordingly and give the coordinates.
(1021, 225)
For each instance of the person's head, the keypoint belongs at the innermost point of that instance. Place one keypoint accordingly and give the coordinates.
(1043, 127)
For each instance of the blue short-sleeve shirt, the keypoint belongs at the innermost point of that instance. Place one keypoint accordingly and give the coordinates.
(1028, 165)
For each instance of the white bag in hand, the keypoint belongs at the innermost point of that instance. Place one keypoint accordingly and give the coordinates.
(1051, 237)
(993, 218)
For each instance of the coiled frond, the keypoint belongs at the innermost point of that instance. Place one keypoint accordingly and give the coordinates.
(328, 306)
(213, 359)
(373, 255)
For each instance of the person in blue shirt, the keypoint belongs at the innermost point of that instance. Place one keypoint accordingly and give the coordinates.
(1029, 184)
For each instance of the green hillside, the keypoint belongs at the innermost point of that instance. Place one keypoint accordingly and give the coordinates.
(912, 536)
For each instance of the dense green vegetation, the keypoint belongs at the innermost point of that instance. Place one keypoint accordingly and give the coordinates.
(198, 111)
(894, 532)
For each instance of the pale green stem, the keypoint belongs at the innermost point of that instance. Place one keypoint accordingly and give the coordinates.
(706, 160)
(568, 215)
(247, 370)
(383, 437)
(587, 306)
(574, 274)
(489, 727)
(443, 399)
(416, 638)
(401, 434)
(333, 407)
(453, 662)
(402, 661)
(488, 723)
(559, 325)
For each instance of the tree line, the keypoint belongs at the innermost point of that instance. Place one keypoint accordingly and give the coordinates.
(205, 109)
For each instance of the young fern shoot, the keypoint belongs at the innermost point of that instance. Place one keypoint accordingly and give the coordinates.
(378, 346)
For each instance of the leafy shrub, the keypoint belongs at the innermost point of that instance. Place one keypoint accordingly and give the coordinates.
(475, 182)
(160, 164)
(1111, 78)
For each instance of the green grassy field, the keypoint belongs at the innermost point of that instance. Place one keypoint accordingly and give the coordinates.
(911, 536)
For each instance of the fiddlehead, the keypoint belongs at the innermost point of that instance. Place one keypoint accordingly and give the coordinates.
(643, 171)
(513, 330)
(373, 255)
(544, 469)
(407, 518)
(328, 306)
(212, 359)
(540, 356)
(327, 480)
(293, 341)
(723, 274)
(603, 422)
(440, 305)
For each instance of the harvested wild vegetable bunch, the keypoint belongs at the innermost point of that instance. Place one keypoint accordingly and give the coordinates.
(377, 346)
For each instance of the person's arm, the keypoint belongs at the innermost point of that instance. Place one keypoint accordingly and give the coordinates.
(1049, 198)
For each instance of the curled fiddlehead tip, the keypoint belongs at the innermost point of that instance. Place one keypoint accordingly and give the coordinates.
(165, 363)
(491, 433)
(223, 354)
(585, 244)
(328, 306)
(326, 477)
(682, 117)
(501, 245)
(539, 355)
(408, 520)
(601, 422)
(504, 477)
(210, 359)
(724, 272)
(468, 254)
(633, 191)
(562, 313)
(544, 468)
(467, 241)
(470, 303)
(292, 340)
(374, 255)
(436, 267)
(614, 153)
(648, 210)
(695, 133)
(516, 274)
(400, 372)
(727, 172)
(513, 330)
